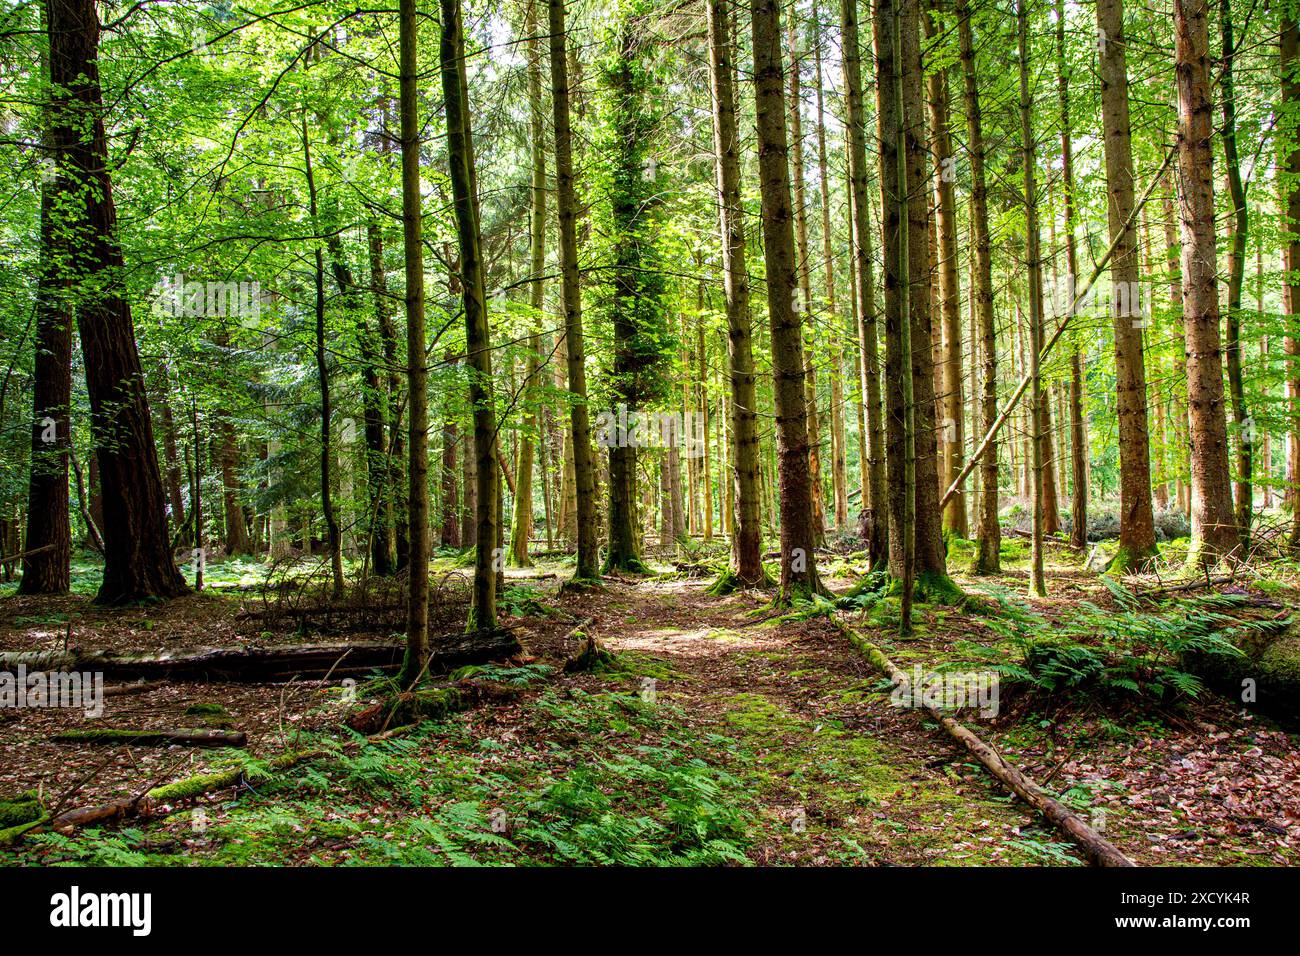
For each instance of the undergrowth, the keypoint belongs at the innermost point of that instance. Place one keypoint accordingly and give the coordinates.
(1126, 650)
(609, 780)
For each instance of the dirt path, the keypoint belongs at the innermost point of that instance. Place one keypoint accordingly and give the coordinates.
(841, 774)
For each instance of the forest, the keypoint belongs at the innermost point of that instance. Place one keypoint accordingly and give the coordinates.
(621, 433)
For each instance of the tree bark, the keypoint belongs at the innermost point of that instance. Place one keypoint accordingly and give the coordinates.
(1238, 236)
(137, 552)
(874, 491)
(1214, 530)
(460, 159)
(384, 553)
(1078, 424)
(839, 460)
(47, 565)
(798, 533)
(931, 563)
(521, 529)
(746, 540)
(803, 302)
(952, 398)
(333, 537)
(1289, 126)
(1137, 536)
(417, 367)
(566, 204)
(900, 421)
(1034, 275)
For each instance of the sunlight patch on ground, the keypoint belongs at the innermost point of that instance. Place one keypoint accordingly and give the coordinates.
(702, 642)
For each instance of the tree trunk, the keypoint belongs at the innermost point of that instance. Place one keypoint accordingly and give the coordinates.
(171, 455)
(1078, 424)
(952, 399)
(460, 159)
(839, 469)
(449, 535)
(803, 301)
(1137, 536)
(522, 524)
(636, 293)
(137, 553)
(333, 538)
(1289, 125)
(1238, 233)
(900, 421)
(874, 491)
(566, 204)
(47, 566)
(1214, 530)
(931, 564)
(417, 367)
(1034, 274)
(384, 517)
(746, 541)
(798, 533)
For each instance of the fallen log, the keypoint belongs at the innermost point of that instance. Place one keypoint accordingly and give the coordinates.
(1145, 594)
(1098, 849)
(431, 703)
(161, 800)
(128, 690)
(190, 737)
(253, 664)
(19, 555)
(151, 803)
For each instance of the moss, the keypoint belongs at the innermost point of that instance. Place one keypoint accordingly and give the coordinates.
(10, 834)
(931, 588)
(212, 715)
(591, 657)
(935, 588)
(202, 783)
(203, 709)
(197, 785)
(954, 540)
(729, 582)
(24, 808)
(1270, 661)
(581, 585)
(628, 566)
(1131, 560)
(844, 772)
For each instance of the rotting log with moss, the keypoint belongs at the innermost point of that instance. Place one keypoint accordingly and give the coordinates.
(184, 737)
(1265, 677)
(270, 664)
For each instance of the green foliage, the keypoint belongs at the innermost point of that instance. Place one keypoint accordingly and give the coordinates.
(1127, 650)
(807, 608)
(520, 600)
(521, 676)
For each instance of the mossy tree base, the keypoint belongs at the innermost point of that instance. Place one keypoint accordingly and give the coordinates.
(581, 585)
(1129, 560)
(931, 587)
(630, 565)
(729, 582)
(591, 656)
(786, 597)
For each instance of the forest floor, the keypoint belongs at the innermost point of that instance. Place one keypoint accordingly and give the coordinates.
(721, 733)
